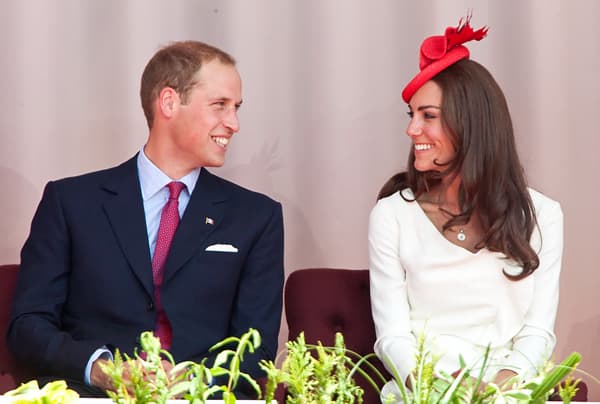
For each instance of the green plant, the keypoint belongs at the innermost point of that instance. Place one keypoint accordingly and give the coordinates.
(55, 392)
(200, 381)
(468, 385)
(144, 378)
(568, 390)
(315, 374)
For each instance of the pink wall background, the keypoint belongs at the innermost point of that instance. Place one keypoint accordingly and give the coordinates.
(322, 122)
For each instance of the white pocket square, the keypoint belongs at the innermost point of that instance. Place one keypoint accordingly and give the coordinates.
(222, 248)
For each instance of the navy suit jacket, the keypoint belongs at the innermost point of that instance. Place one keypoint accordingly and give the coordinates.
(86, 279)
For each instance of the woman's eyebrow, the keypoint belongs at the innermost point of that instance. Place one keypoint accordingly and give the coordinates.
(422, 107)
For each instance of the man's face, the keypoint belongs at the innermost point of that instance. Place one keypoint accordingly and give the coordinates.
(204, 125)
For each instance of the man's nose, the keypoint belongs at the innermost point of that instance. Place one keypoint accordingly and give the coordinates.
(231, 120)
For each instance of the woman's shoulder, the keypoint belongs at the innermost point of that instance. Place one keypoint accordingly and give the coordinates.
(397, 205)
(397, 200)
(394, 211)
(543, 204)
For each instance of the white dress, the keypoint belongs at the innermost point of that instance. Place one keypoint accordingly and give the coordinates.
(421, 283)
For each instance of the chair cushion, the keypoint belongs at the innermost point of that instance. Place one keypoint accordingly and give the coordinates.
(323, 301)
(8, 277)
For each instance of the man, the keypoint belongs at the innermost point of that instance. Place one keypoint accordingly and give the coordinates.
(98, 267)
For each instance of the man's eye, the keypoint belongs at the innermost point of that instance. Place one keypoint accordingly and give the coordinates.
(219, 104)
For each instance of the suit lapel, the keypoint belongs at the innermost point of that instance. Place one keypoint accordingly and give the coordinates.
(125, 211)
(204, 213)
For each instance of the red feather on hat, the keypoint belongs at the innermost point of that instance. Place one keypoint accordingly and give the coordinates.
(464, 33)
(435, 47)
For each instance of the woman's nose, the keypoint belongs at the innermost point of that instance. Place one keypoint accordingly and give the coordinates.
(414, 128)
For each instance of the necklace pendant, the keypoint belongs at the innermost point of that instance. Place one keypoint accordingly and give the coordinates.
(461, 236)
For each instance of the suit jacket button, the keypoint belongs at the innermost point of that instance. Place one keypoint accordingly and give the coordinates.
(150, 306)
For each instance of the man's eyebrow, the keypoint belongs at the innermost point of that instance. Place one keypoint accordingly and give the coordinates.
(226, 99)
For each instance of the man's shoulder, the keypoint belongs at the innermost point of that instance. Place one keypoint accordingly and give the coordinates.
(98, 176)
(237, 191)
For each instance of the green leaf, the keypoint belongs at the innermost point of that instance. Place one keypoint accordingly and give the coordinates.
(221, 358)
(555, 376)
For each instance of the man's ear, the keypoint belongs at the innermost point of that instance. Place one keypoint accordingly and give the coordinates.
(168, 101)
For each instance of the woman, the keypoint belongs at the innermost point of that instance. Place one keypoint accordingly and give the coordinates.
(460, 249)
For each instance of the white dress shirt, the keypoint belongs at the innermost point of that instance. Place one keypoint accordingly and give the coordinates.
(155, 194)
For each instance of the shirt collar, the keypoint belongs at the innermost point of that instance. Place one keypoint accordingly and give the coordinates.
(152, 179)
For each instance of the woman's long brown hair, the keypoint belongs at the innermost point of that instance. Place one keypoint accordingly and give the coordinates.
(476, 116)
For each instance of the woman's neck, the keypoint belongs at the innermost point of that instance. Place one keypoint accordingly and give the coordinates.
(445, 194)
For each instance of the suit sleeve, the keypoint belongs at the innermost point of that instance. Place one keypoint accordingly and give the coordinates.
(259, 299)
(35, 335)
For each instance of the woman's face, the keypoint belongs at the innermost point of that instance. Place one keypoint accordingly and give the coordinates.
(433, 147)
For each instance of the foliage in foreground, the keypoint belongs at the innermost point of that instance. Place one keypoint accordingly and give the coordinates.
(194, 382)
(312, 374)
(55, 392)
(316, 374)
(468, 385)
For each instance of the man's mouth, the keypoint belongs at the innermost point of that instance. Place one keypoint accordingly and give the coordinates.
(221, 141)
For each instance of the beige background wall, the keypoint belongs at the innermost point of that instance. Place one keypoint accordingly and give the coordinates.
(322, 122)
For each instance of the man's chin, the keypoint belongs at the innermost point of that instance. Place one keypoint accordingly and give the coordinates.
(214, 163)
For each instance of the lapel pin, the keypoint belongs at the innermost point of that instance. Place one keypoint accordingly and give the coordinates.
(209, 220)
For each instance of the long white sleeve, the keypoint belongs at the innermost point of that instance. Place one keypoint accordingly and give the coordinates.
(395, 341)
(535, 342)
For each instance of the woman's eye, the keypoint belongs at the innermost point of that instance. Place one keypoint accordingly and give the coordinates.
(427, 115)
(410, 114)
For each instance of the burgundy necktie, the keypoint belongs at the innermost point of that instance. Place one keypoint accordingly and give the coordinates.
(169, 219)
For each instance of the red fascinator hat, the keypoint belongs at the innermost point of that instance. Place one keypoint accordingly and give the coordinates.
(440, 51)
